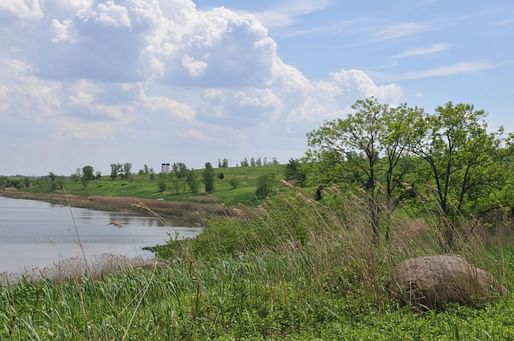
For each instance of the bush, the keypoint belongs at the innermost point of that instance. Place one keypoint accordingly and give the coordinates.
(264, 185)
(234, 183)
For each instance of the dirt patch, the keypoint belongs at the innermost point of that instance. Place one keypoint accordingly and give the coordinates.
(179, 212)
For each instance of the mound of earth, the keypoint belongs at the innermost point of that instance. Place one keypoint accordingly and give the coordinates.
(432, 281)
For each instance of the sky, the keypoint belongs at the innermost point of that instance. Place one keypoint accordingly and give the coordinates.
(95, 82)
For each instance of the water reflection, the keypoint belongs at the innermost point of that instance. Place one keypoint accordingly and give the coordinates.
(38, 234)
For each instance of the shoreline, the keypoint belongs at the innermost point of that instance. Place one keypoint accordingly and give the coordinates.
(190, 214)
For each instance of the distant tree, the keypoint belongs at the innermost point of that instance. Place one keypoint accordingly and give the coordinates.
(264, 185)
(26, 182)
(152, 174)
(192, 181)
(244, 162)
(258, 162)
(127, 166)
(162, 185)
(265, 161)
(219, 163)
(208, 177)
(275, 161)
(116, 170)
(88, 172)
(252, 162)
(145, 169)
(294, 172)
(225, 163)
(141, 172)
(98, 175)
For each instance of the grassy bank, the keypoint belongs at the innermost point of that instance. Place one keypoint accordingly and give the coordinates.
(142, 186)
(301, 270)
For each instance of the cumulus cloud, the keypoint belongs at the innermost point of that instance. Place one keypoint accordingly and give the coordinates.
(23, 9)
(357, 84)
(172, 107)
(97, 69)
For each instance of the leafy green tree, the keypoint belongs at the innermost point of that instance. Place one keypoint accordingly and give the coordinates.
(127, 166)
(88, 172)
(162, 185)
(116, 170)
(192, 181)
(208, 177)
(355, 141)
(265, 184)
(224, 163)
(294, 172)
(463, 158)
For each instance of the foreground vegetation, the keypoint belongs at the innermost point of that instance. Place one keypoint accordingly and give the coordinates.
(380, 186)
(303, 270)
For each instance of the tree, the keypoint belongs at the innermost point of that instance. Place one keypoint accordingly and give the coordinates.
(116, 170)
(98, 175)
(356, 141)
(462, 157)
(192, 181)
(293, 172)
(208, 177)
(88, 172)
(224, 164)
(162, 184)
(264, 185)
(252, 162)
(146, 169)
(127, 166)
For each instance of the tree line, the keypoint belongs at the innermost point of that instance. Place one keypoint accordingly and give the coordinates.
(393, 153)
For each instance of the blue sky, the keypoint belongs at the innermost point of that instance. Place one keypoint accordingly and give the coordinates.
(147, 81)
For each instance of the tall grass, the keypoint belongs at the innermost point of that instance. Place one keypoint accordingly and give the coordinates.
(301, 270)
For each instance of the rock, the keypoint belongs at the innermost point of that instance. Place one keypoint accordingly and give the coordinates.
(432, 281)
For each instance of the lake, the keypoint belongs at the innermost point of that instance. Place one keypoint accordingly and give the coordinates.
(38, 234)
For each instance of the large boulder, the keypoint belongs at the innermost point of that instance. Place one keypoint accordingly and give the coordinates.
(432, 281)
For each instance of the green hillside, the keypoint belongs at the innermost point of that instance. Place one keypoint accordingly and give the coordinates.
(143, 186)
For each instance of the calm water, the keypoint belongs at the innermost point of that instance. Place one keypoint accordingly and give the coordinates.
(38, 234)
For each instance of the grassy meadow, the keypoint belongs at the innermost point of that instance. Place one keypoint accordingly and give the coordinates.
(301, 271)
(142, 186)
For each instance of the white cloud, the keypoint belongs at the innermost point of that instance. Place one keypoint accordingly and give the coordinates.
(423, 51)
(442, 71)
(4, 97)
(83, 130)
(172, 107)
(361, 85)
(110, 14)
(194, 134)
(106, 69)
(23, 9)
(286, 12)
(401, 30)
(61, 31)
(194, 67)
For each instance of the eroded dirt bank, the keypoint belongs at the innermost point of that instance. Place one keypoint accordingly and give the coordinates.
(178, 212)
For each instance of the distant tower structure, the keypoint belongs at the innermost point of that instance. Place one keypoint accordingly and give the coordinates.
(165, 168)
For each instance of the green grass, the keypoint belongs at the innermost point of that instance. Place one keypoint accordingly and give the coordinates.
(300, 271)
(141, 186)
